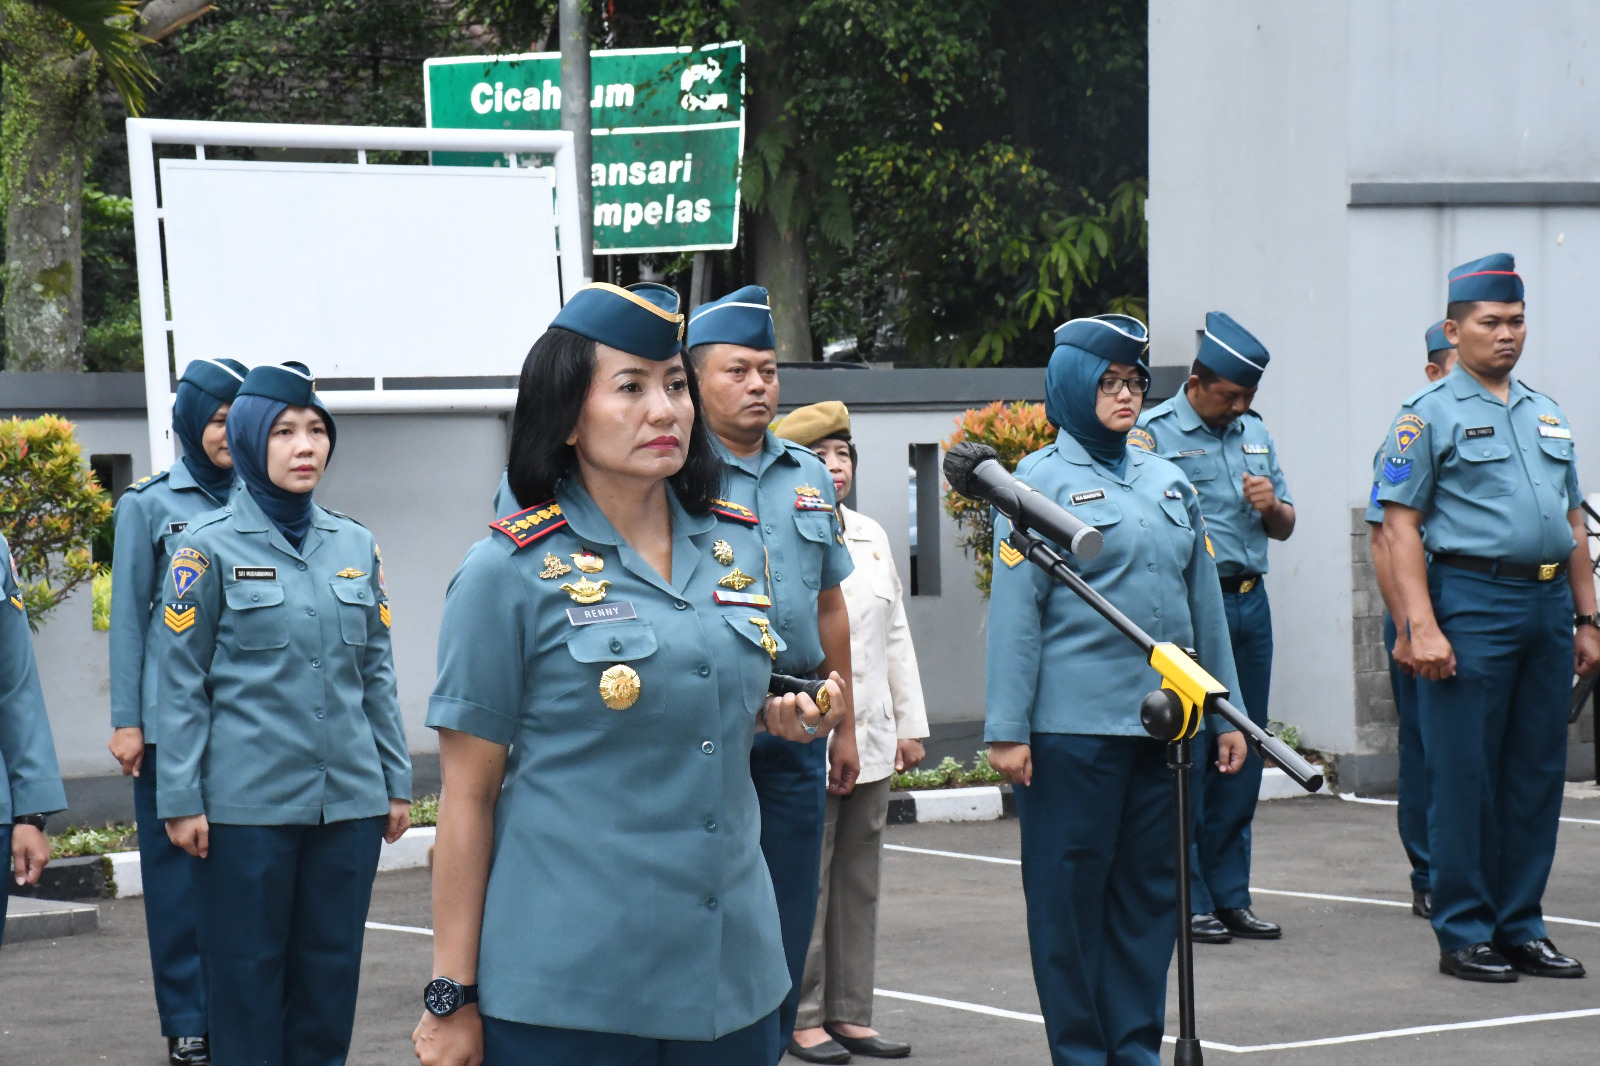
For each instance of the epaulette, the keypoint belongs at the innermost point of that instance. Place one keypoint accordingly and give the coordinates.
(528, 525)
(733, 511)
(341, 514)
(1431, 386)
(145, 482)
(206, 518)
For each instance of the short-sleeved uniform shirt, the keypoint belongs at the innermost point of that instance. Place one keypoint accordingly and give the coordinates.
(1056, 666)
(1215, 462)
(791, 492)
(278, 702)
(1493, 480)
(30, 779)
(628, 893)
(149, 519)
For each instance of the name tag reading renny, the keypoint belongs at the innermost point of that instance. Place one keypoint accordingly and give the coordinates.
(601, 612)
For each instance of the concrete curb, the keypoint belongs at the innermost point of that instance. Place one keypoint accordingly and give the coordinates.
(48, 919)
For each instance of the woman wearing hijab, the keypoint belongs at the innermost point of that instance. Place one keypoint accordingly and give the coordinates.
(600, 897)
(1093, 791)
(282, 758)
(150, 517)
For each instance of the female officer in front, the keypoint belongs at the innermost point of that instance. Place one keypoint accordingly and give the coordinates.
(282, 758)
(604, 659)
(150, 517)
(1094, 794)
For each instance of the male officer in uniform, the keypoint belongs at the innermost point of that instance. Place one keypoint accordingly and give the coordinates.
(732, 346)
(1483, 521)
(1413, 810)
(1210, 431)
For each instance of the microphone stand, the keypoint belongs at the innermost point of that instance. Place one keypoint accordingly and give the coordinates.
(1173, 713)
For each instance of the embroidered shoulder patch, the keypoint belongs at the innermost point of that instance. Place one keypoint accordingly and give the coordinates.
(179, 617)
(1407, 429)
(1374, 492)
(187, 567)
(737, 512)
(1142, 438)
(384, 614)
(1396, 469)
(16, 601)
(529, 525)
(1009, 555)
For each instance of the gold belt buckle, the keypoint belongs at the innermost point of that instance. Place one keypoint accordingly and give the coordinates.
(1547, 571)
(1246, 585)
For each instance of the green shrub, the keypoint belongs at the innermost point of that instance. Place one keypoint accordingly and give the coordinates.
(91, 840)
(948, 774)
(102, 599)
(425, 810)
(1013, 430)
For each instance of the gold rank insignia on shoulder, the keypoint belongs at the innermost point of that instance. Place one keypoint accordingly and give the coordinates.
(737, 580)
(588, 561)
(619, 687)
(586, 591)
(766, 635)
(1009, 555)
(351, 571)
(553, 566)
(722, 552)
(179, 617)
(737, 512)
(1550, 420)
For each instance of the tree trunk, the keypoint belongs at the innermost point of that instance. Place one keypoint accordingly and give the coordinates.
(49, 119)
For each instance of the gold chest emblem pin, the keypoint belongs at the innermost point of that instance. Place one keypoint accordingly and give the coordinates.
(588, 562)
(808, 490)
(351, 571)
(554, 567)
(722, 552)
(586, 591)
(766, 636)
(737, 580)
(619, 687)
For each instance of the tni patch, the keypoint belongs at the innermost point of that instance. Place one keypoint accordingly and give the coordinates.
(187, 567)
(179, 617)
(1407, 429)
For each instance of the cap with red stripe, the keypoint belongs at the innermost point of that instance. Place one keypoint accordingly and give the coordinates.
(1493, 278)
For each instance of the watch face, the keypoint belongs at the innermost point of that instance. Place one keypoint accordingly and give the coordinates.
(442, 997)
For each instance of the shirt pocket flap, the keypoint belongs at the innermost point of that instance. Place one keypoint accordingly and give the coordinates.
(815, 527)
(1100, 513)
(352, 592)
(248, 595)
(610, 642)
(1556, 449)
(747, 629)
(1176, 510)
(1482, 451)
(1196, 467)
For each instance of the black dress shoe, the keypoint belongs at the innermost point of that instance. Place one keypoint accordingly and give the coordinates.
(1422, 904)
(1476, 962)
(1241, 922)
(1539, 958)
(827, 1051)
(873, 1046)
(188, 1051)
(1206, 929)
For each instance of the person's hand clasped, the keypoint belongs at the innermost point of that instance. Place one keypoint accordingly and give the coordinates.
(1402, 654)
(1431, 654)
(796, 717)
(1014, 762)
(908, 755)
(1586, 652)
(453, 1041)
(191, 833)
(398, 822)
(1258, 492)
(127, 747)
(1231, 751)
(30, 853)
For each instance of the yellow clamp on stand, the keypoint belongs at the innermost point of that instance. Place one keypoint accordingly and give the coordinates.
(1192, 685)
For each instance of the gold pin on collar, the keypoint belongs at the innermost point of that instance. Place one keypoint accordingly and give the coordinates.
(766, 636)
(588, 561)
(722, 552)
(619, 687)
(586, 591)
(554, 567)
(737, 580)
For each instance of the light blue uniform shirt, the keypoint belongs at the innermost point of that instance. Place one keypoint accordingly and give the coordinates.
(27, 752)
(1374, 515)
(1215, 462)
(1492, 479)
(277, 697)
(803, 537)
(627, 892)
(1053, 664)
(149, 518)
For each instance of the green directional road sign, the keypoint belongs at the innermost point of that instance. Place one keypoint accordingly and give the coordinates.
(668, 134)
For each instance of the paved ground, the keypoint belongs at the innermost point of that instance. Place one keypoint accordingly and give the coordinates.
(952, 929)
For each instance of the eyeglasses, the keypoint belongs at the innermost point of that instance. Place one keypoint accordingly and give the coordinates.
(1111, 384)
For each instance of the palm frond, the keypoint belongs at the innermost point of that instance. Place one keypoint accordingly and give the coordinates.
(107, 28)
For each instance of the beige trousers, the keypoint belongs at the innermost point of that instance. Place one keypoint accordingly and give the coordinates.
(844, 941)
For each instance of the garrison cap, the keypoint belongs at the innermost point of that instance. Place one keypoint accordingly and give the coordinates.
(743, 317)
(1436, 339)
(1114, 338)
(1493, 278)
(217, 378)
(289, 383)
(814, 422)
(641, 320)
(1232, 351)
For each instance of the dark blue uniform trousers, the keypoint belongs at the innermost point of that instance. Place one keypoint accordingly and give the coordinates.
(1413, 814)
(1097, 872)
(791, 782)
(1494, 739)
(283, 914)
(1225, 804)
(515, 1044)
(171, 910)
(6, 877)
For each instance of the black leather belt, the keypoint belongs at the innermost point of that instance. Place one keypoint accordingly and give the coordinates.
(1240, 582)
(1495, 568)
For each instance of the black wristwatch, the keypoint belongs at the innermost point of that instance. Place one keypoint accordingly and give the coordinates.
(35, 820)
(1586, 620)
(443, 997)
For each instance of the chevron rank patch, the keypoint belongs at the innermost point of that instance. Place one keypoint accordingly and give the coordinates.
(1396, 469)
(737, 512)
(741, 599)
(529, 525)
(187, 567)
(1142, 438)
(16, 601)
(1009, 555)
(384, 614)
(179, 617)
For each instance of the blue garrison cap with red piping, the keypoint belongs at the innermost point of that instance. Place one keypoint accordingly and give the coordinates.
(1493, 278)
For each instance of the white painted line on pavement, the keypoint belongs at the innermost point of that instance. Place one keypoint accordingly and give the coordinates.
(1422, 1030)
(400, 928)
(1351, 798)
(953, 854)
(956, 1004)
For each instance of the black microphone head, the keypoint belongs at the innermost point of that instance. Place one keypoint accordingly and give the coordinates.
(962, 460)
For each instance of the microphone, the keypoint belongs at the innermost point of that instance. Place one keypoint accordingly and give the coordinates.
(974, 470)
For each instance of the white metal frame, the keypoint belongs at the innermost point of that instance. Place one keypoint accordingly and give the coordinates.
(145, 133)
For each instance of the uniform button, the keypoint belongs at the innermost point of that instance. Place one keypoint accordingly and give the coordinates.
(322, 766)
(1127, 488)
(680, 605)
(707, 747)
(316, 664)
(1150, 567)
(616, 645)
(361, 594)
(1142, 522)
(300, 566)
(227, 510)
(1486, 452)
(1536, 481)
(1158, 612)
(777, 577)
(705, 671)
(711, 825)
(312, 611)
(711, 903)
(255, 597)
(769, 527)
